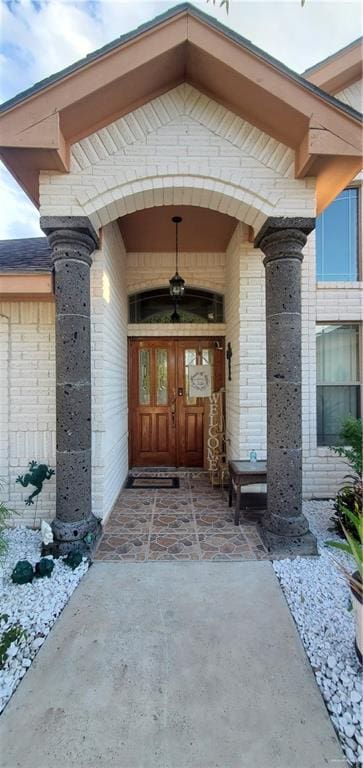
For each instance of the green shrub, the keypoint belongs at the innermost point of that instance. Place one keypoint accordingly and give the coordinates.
(350, 495)
(9, 636)
(5, 515)
(352, 444)
(353, 546)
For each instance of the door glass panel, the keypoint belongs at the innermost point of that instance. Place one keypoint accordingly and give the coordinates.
(208, 359)
(161, 377)
(190, 358)
(144, 377)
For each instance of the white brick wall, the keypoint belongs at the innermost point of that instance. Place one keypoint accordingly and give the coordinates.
(323, 470)
(353, 95)
(182, 147)
(153, 270)
(339, 301)
(27, 397)
(245, 329)
(245, 323)
(171, 329)
(109, 370)
(27, 387)
(4, 405)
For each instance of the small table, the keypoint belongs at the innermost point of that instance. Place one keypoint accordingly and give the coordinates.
(244, 473)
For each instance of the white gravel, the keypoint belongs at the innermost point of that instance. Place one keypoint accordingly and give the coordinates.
(34, 606)
(319, 599)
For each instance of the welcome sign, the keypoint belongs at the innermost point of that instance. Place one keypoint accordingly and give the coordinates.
(200, 380)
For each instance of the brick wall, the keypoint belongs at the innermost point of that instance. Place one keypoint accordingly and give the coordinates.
(153, 270)
(245, 321)
(353, 95)
(181, 147)
(322, 302)
(109, 370)
(27, 403)
(27, 387)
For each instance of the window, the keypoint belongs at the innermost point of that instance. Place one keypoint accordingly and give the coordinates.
(337, 239)
(157, 306)
(338, 379)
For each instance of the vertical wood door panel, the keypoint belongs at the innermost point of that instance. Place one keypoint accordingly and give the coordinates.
(166, 425)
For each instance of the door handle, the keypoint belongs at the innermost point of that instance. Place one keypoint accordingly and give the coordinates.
(172, 409)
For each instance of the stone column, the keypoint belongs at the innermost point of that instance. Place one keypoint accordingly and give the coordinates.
(73, 240)
(284, 528)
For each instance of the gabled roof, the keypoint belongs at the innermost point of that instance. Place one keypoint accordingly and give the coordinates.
(337, 72)
(152, 24)
(29, 254)
(184, 44)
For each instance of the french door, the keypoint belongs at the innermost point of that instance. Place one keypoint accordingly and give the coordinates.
(165, 423)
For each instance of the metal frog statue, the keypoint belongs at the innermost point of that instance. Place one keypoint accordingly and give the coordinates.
(36, 476)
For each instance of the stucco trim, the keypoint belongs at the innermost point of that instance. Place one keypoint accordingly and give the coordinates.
(27, 287)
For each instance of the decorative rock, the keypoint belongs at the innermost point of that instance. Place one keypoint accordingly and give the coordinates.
(73, 559)
(12, 650)
(349, 730)
(33, 606)
(46, 533)
(38, 642)
(326, 627)
(44, 568)
(23, 572)
(355, 696)
(351, 756)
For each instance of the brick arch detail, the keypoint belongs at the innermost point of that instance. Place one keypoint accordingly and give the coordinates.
(248, 205)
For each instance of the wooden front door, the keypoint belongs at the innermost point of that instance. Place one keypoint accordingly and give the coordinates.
(165, 424)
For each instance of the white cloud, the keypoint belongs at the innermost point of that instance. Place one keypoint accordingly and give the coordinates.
(40, 38)
(19, 217)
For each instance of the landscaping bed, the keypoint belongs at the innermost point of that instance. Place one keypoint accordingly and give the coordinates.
(33, 607)
(319, 599)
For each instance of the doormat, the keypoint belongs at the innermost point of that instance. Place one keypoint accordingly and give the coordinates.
(152, 481)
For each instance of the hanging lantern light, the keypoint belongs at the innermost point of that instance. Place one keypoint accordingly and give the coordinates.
(176, 282)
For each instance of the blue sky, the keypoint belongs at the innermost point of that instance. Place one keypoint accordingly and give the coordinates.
(39, 38)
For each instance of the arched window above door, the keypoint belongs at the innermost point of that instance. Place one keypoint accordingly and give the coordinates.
(196, 306)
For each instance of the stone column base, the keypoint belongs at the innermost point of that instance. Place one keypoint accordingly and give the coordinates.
(285, 546)
(76, 536)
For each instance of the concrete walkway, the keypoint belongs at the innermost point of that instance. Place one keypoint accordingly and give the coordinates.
(171, 665)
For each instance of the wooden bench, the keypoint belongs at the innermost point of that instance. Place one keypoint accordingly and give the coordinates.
(242, 473)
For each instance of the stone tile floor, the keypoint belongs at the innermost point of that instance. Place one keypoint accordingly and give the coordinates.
(192, 522)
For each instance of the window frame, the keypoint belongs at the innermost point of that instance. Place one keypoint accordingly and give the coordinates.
(359, 383)
(358, 186)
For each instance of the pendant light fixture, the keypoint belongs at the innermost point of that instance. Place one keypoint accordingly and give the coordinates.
(176, 282)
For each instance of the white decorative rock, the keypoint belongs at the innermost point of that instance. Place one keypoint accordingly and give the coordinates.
(34, 607)
(349, 730)
(319, 600)
(46, 533)
(355, 696)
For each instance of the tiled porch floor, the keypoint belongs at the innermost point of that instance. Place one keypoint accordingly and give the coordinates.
(192, 522)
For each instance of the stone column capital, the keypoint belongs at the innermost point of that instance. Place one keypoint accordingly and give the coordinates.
(283, 237)
(70, 237)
